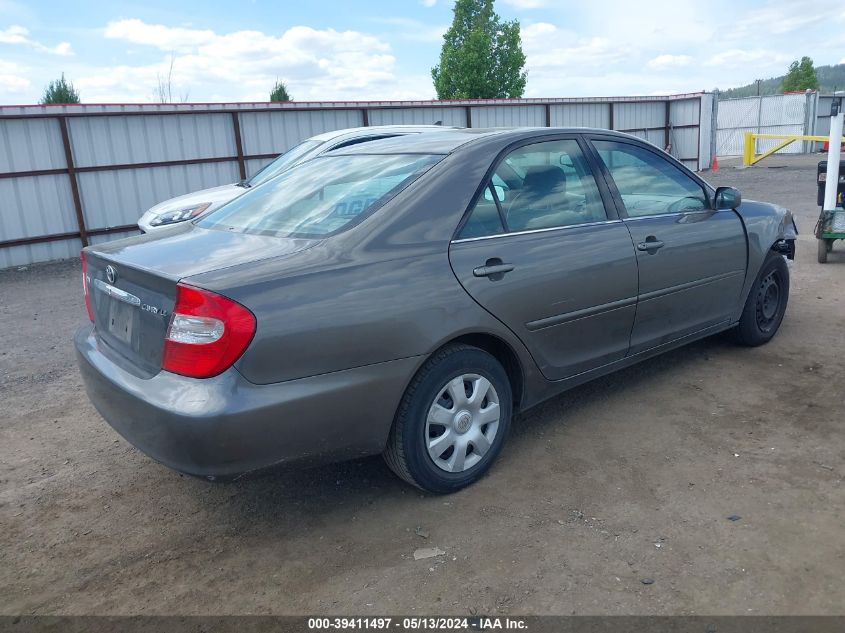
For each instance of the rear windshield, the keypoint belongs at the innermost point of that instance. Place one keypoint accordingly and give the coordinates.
(320, 197)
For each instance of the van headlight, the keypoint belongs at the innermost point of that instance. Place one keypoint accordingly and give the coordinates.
(179, 215)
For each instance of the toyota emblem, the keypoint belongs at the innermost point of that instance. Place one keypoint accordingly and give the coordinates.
(111, 274)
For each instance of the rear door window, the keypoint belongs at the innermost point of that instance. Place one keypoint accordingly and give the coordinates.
(538, 186)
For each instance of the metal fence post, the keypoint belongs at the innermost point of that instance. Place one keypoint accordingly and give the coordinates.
(74, 185)
(239, 146)
(714, 128)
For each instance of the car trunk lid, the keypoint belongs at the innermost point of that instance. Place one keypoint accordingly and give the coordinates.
(131, 309)
(132, 283)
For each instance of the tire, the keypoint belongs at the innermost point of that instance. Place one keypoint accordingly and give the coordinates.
(766, 303)
(824, 248)
(471, 435)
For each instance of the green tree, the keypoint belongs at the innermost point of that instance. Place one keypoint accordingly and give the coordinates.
(60, 91)
(280, 92)
(481, 57)
(801, 76)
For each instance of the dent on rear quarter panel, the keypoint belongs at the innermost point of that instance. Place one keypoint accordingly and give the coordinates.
(765, 224)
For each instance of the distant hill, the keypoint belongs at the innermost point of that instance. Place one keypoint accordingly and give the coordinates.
(830, 77)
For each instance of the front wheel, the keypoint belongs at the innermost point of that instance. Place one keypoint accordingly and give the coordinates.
(452, 421)
(766, 303)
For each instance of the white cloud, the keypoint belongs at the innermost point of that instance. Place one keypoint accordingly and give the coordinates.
(14, 35)
(13, 78)
(662, 62)
(673, 46)
(168, 38)
(17, 34)
(572, 49)
(548, 47)
(760, 58)
(316, 64)
(781, 18)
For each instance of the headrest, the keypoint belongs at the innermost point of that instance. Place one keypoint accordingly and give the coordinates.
(544, 179)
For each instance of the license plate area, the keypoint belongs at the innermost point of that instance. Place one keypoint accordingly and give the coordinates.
(122, 321)
(121, 311)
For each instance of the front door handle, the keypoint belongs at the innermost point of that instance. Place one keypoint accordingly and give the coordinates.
(494, 269)
(650, 245)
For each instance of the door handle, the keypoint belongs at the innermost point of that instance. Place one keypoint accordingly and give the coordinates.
(651, 244)
(493, 271)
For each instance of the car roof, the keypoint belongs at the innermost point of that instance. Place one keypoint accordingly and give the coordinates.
(372, 130)
(449, 140)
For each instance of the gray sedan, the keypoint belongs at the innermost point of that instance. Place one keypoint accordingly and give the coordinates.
(408, 296)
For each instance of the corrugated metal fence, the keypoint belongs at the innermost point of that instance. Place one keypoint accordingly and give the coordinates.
(74, 175)
(770, 114)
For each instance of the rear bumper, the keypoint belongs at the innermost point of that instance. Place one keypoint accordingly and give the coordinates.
(226, 426)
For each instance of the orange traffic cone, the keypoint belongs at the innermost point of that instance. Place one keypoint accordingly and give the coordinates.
(715, 164)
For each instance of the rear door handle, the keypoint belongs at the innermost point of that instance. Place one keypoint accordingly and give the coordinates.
(494, 271)
(650, 244)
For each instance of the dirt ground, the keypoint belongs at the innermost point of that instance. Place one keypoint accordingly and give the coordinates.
(628, 478)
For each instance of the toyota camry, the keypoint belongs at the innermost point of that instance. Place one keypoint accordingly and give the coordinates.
(407, 296)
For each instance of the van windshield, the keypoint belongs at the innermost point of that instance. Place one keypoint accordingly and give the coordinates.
(320, 197)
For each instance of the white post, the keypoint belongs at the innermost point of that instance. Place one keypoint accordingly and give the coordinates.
(833, 154)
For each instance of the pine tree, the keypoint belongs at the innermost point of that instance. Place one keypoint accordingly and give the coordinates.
(280, 92)
(60, 91)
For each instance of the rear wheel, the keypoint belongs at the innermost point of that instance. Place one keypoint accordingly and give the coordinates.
(766, 303)
(825, 246)
(452, 421)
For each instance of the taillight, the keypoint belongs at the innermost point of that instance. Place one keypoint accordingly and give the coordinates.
(207, 333)
(85, 286)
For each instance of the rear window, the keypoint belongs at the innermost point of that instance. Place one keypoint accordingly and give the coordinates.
(320, 197)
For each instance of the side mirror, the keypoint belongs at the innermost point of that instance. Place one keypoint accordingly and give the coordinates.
(727, 198)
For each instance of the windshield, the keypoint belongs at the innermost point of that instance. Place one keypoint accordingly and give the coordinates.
(320, 197)
(283, 162)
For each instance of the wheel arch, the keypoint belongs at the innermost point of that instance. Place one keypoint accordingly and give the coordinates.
(502, 352)
(768, 228)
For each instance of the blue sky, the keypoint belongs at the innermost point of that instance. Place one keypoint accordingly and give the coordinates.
(377, 49)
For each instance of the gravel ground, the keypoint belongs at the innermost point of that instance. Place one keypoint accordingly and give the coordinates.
(630, 477)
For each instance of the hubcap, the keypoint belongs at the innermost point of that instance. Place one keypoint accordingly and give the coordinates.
(768, 302)
(462, 423)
